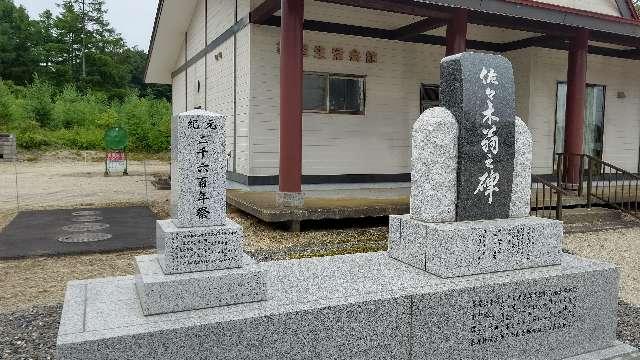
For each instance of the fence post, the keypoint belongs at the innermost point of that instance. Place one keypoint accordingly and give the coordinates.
(559, 171)
(581, 174)
(589, 174)
(559, 205)
(559, 188)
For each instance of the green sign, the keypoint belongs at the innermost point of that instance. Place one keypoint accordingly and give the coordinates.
(116, 138)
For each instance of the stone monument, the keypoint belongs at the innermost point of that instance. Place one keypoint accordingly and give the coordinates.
(200, 262)
(468, 275)
(471, 160)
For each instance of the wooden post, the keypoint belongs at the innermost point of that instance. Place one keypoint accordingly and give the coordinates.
(589, 179)
(291, 100)
(457, 32)
(574, 115)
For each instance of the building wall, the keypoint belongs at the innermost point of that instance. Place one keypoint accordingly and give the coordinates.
(374, 143)
(215, 72)
(178, 86)
(378, 141)
(622, 116)
(177, 94)
(522, 62)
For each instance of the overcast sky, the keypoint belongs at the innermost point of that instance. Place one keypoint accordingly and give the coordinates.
(132, 18)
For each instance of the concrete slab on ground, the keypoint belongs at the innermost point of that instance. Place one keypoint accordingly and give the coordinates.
(318, 205)
(76, 231)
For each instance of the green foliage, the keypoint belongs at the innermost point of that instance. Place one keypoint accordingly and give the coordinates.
(78, 46)
(65, 79)
(18, 60)
(39, 102)
(42, 118)
(73, 109)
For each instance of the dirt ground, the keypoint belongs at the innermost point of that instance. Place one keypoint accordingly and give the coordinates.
(57, 182)
(61, 183)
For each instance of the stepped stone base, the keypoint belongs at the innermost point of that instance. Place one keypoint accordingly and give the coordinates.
(364, 306)
(184, 250)
(160, 293)
(451, 249)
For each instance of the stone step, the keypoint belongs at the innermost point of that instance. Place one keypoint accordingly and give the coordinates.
(581, 220)
(595, 214)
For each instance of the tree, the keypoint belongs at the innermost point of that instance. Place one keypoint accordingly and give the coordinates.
(18, 61)
(78, 47)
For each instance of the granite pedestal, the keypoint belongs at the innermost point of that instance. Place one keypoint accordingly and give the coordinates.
(475, 247)
(364, 306)
(160, 293)
(183, 250)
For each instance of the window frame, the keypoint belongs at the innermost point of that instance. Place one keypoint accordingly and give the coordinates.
(327, 101)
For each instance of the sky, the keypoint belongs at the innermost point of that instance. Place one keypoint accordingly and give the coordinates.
(132, 18)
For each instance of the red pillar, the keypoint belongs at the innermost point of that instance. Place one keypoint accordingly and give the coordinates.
(291, 96)
(574, 115)
(457, 32)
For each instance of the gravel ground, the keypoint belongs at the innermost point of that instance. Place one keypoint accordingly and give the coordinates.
(620, 247)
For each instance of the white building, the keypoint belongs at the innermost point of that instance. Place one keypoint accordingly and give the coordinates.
(370, 67)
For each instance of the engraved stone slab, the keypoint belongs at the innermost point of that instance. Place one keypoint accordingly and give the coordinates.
(363, 306)
(182, 250)
(479, 91)
(521, 193)
(160, 293)
(434, 163)
(198, 169)
(475, 247)
(521, 318)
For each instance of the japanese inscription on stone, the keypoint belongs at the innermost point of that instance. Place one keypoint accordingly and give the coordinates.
(198, 169)
(512, 315)
(478, 89)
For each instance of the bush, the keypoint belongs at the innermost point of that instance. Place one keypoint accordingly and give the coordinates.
(39, 102)
(72, 109)
(41, 118)
(11, 111)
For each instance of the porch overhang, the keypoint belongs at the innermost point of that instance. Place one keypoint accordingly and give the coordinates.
(523, 15)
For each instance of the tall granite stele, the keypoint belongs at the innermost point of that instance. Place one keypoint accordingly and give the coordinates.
(471, 180)
(200, 262)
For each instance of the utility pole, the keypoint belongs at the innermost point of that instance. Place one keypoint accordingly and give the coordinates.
(84, 45)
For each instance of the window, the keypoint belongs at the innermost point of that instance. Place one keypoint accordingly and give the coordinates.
(593, 119)
(332, 93)
(429, 96)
